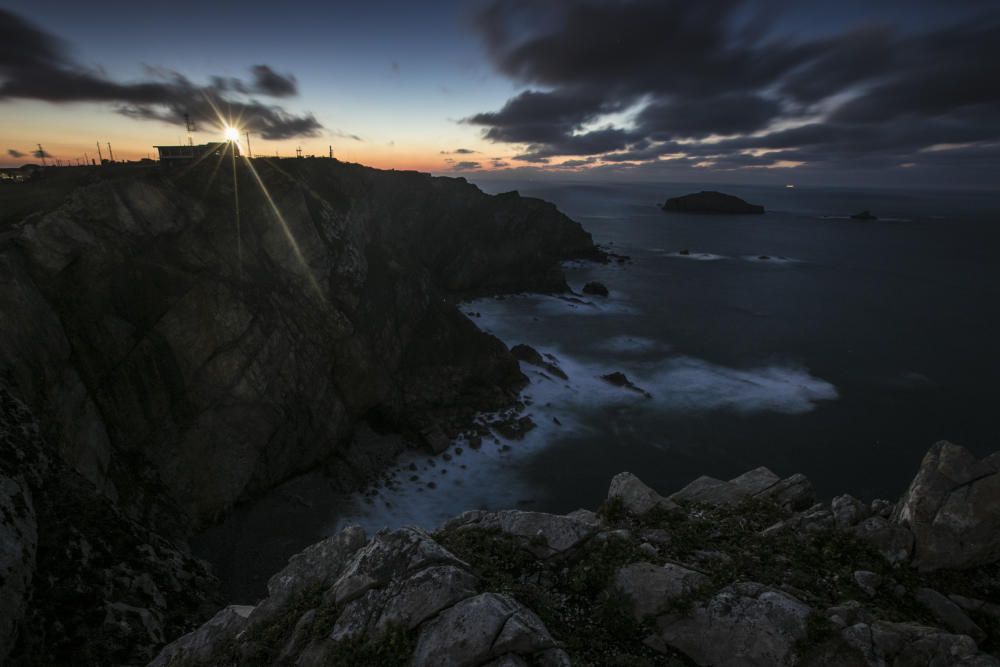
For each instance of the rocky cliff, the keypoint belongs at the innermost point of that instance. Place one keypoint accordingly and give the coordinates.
(188, 339)
(745, 572)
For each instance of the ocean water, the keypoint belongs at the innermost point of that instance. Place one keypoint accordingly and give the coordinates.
(844, 355)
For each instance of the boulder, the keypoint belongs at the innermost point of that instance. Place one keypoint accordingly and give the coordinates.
(882, 643)
(948, 614)
(848, 511)
(893, 541)
(709, 201)
(544, 535)
(199, 647)
(530, 355)
(794, 492)
(868, 581)
(619, 379)
(650, 588)
(952, 507)
(636, 497)
(743, 625)
(479, 629)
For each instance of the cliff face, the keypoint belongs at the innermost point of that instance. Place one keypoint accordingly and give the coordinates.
(748, 572)
(184, 350)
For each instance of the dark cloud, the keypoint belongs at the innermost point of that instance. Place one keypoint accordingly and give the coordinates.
(37, 65)
(466, 165)
(645, 82)
(460, 151)
(13, 152)
(268, 82)
(40, 153)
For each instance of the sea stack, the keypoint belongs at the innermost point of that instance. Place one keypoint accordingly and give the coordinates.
(709, 201)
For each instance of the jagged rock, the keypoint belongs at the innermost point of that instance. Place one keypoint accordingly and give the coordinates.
(868, 581)
(893, 541)
(948, 614)
(530, 355)
(848, 511)
(794, 492)
(619, 379)
(651, 588)
(82, 583)
(544, 535)
(18, 545)
(710, 491)
(636, 497)
(883, 643)
(953, 509)
(595, 288)
(744, 624)
(710, 201)
(482, 628)
(316, 566)
(199, 647)
(977, 606)
(881, 507)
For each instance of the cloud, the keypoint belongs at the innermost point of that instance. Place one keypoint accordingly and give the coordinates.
(460, 151)
(41, 153)
(268, 82)
(37, 65)
(649, 82)
(13, 152)
(466, 166)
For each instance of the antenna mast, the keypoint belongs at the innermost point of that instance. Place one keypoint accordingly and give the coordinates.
(190, 128)
(110, 152)
(298, 151)
(249, 152)
(100, 156)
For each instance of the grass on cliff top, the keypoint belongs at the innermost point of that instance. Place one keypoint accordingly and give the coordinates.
(572, 596)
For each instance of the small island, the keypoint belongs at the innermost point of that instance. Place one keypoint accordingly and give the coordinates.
(709, 201)
(864, 215)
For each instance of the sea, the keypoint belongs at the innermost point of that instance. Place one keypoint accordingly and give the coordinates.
(801, 340)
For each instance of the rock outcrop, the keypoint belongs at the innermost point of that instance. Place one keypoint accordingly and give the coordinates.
(709, 201)
(739, 573)
(80, 582)
(953, 509)
(175, 332)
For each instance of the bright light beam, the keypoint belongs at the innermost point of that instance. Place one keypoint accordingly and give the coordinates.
(286, 229)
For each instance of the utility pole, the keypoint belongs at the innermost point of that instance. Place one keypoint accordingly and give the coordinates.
(190, 128)
(41, 154)
(110, 153)
(100, 156)
(249, 152)
(331, 152)
(298, 151)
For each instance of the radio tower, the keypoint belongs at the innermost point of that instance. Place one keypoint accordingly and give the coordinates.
(190, 128)
(298, 152)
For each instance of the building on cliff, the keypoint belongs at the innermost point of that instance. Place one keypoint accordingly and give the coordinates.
(182, 154)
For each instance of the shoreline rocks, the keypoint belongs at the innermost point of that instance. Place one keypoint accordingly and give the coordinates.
(738, 573)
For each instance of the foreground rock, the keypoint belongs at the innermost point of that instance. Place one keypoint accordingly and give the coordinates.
(709, 201)
(745, 572)
(80, 582)
(953, 509)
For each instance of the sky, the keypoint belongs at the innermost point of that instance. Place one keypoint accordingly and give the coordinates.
(885, 93)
